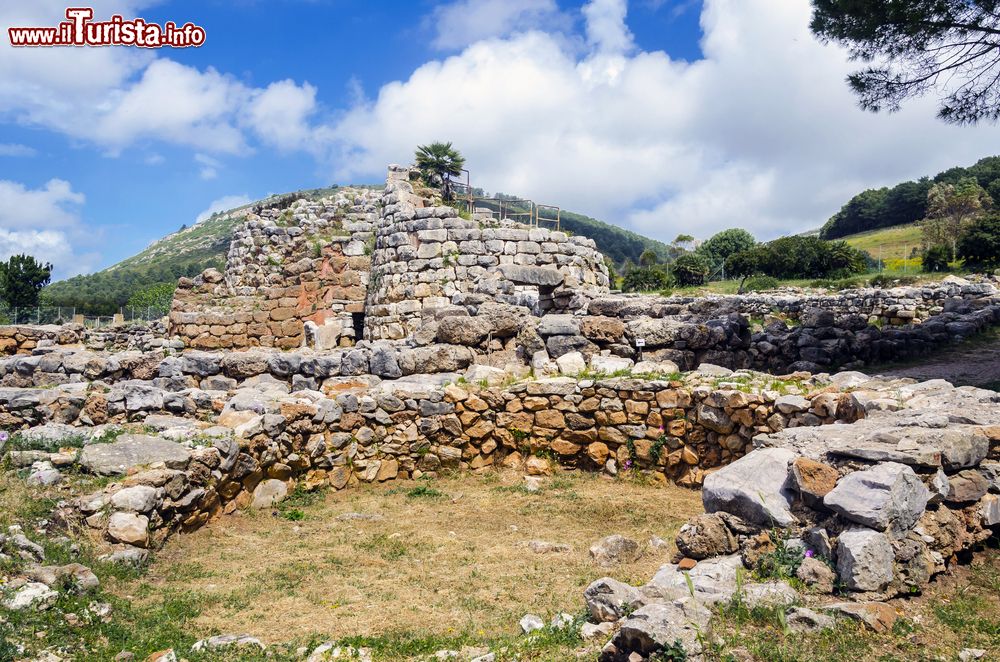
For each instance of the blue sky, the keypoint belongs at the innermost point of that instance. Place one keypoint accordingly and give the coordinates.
(663, 116)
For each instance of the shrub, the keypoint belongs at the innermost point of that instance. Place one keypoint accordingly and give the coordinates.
(799, 257)
(935, 258)
(760, 283)
(646, 279)
(690, 269)
(979, 247)
(887, 281)
(838, 283)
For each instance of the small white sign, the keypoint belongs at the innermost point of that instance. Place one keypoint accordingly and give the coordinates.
(640, 342)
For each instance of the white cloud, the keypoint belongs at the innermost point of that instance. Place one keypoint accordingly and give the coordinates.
(279, 114)
(54, 206)
(223, 204)
(606, 29)
(115, 97)
(13, 149)
(465, 22)
(175, 103)
(44, 222)
(209, 166)
(762, 133)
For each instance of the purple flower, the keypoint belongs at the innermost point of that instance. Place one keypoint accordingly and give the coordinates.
(628, 464)
(809, 553)
(4, 436)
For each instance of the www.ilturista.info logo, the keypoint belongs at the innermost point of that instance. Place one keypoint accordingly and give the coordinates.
(80, 30)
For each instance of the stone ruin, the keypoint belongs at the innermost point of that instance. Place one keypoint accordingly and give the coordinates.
(382, 336)
(374, 266)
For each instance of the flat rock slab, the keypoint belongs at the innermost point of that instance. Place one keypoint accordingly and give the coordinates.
(132, 451)
(888, 496)
(756, 487)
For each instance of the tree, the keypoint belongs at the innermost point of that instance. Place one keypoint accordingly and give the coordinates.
(950, 210)
(649, 258)
(979, 247)
(914, 46)
(22, 277)
(158, 297)
(690, 269)
(726, 243)
(936, 258)
(683, 239)
(439, 162)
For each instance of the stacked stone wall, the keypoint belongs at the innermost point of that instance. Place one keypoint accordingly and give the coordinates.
(672, 430)
(25, 339)
(835, 334)
(880, 306)
(293, 277)
(428, 259)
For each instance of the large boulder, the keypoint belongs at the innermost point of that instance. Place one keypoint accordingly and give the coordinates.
(559, 325)
(609, 599)
(756, 488)
(706, 536)
(887, 497)
(660, 625)
(434, 359)
(241, 365)
(129, 528)
(615, 550)
(527, 275)
(468, 331)
(713, 580)
(132, 451)
(268, 493)
(136, 499)
(864, 559)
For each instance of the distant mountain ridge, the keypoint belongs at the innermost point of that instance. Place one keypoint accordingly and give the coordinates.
(192, 249)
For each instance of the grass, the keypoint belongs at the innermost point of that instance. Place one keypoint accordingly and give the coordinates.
(435, 574)
(447, 559)
(896, 243)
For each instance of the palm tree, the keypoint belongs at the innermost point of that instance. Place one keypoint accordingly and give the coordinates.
(439, 162)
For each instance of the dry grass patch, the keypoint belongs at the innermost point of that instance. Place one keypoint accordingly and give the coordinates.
(447, 557)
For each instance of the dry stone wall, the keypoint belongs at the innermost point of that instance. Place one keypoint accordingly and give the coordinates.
(25, 339)
(878, 306)
(814, 339)
(428, 260)
(293, 277)
(259, 434)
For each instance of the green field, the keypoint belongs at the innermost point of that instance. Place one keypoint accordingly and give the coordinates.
(891, 245)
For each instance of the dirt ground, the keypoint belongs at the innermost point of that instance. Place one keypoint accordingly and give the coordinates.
(446, 557)
(975, 363)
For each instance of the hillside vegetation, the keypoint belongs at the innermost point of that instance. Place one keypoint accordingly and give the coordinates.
(905, 202)
(888, 244)
(191, 250)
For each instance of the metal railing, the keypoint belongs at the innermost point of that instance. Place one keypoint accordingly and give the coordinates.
(524, 211)
(39, 315)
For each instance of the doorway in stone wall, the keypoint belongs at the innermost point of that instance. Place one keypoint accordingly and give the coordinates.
(358, 322)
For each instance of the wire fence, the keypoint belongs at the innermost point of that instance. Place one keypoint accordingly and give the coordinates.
(39, 315)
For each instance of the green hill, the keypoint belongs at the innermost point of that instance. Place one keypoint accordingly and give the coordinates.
(191, 250)
(905, 202)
